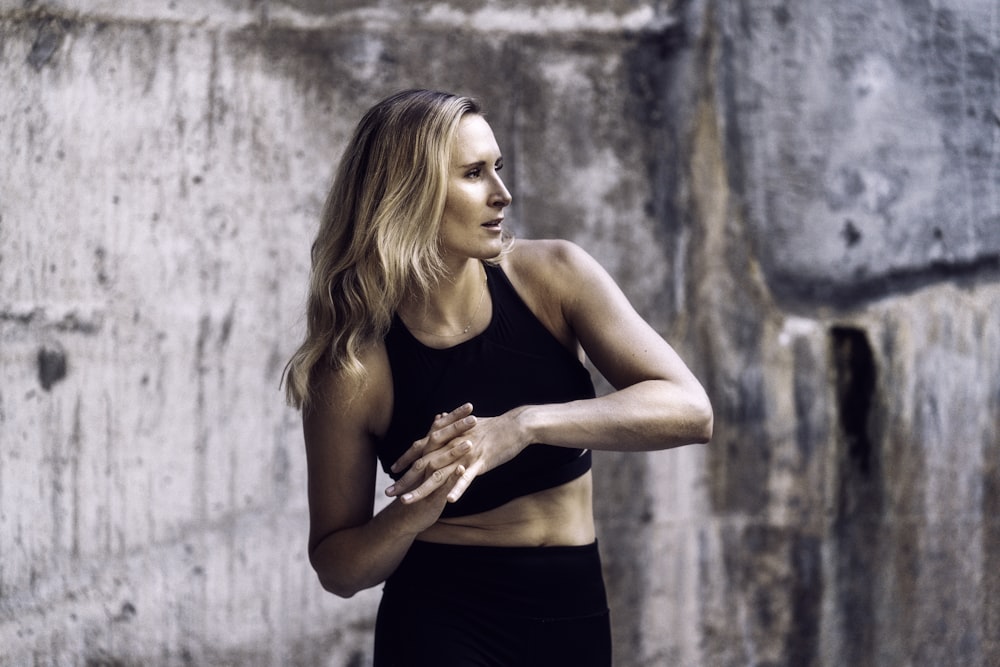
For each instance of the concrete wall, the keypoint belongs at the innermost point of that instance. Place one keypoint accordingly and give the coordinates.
(846, 173)
(803, 197)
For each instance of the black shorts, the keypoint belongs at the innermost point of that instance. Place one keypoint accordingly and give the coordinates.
(451, 606)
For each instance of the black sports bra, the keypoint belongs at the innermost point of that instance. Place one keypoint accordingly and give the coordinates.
(515, 361)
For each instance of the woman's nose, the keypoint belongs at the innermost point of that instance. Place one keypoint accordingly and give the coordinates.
(502, 197)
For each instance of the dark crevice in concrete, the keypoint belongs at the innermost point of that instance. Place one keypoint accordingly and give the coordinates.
(857, 524)
(854, 366)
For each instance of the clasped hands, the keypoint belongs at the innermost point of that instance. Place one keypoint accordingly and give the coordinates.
(457, 448)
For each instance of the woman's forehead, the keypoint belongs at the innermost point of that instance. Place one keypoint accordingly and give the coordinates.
(474, 139)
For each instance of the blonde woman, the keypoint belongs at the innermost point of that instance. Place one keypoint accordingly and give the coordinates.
(453, 357)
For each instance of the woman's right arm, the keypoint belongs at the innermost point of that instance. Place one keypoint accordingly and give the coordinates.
(349, 547)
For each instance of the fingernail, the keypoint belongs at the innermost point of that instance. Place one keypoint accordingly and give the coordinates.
(407, 497)
(470, 420)
(390, 490)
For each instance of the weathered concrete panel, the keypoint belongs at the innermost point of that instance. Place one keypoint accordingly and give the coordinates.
(842, 441)
(867, 136)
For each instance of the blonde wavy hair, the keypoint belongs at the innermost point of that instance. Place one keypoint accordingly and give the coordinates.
(378, 235)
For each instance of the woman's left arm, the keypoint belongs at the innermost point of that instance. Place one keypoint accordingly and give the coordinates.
(658, 402)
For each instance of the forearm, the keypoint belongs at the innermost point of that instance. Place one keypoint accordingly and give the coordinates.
(352, 559)
(650, 415)
(647, 415)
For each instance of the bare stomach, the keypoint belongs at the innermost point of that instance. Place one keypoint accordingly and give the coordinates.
(559, 516)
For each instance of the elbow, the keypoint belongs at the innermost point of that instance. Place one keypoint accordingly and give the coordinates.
(341, 589)
(707, 424)
(702, 420)
(708, 421)
(335, 582)
(686, 419)
(332, 579)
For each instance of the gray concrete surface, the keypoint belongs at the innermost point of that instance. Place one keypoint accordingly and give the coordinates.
(804, 198)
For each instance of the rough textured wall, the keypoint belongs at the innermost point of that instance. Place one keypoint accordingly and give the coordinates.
(165, 166)
(802, 197)
(845, 175)
(150, 478)
(863, 129)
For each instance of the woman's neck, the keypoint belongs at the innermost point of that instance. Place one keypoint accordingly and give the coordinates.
(453, 308)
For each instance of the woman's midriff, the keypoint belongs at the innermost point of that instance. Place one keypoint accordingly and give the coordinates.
(561, 516)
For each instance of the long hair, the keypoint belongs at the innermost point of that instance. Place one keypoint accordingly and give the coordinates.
(378, 235)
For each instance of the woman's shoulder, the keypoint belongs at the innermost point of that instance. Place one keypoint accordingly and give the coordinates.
(547, 274)
(546, 261)
(562, 275)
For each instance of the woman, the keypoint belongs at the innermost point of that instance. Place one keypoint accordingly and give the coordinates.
(441, 349)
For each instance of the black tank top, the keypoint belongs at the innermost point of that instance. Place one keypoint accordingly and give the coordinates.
(516, 361)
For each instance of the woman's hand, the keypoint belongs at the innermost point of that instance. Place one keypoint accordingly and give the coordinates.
(482, 446)
(444, 429)
(435, 457)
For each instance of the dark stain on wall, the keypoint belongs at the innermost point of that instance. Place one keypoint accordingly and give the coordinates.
(991, 537)
(101, 266)
(775, 589)
(809, 431)
(806, 591)
(898, 554)
(742, 452)
(126, 614)
(52, 365)
(51, 33)
(105, 661)
(623, 512)
(326, 63)
(803, 295)
(321, 7)
(651, 68)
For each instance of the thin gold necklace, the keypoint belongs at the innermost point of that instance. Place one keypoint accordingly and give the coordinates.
(467, 327)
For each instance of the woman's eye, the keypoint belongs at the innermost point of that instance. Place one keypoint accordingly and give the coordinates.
(498, 166)
(474, 173)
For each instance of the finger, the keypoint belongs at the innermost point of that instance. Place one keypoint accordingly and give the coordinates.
(441, 421)
(435, 481)
(433, 461)
(445, 418)
(464, 481)
(435, 440)
(409, 480)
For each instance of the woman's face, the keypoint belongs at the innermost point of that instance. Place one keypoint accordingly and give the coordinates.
(473, 210)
